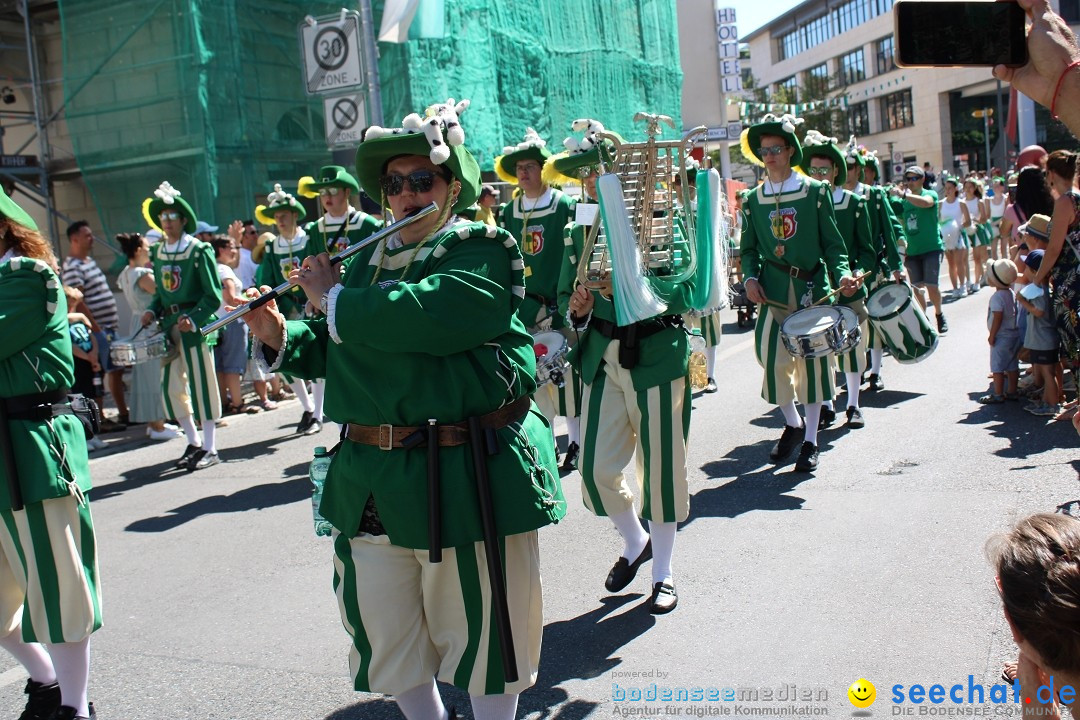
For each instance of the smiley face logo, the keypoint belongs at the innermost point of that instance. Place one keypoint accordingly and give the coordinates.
(862, 693)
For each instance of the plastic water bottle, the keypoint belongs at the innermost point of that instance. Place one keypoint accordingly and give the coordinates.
(319, 467)
(699, 371)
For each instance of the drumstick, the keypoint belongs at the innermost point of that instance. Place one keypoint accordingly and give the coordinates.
(837, 291)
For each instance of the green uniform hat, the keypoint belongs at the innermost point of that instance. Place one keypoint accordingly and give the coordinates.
(579, 154)
(853, 154)
(533, 147)
(783, 126)
(817, 145)
(870, 159)
(329, 176)
(438, 135)
(166, 197)
(11, 210)
(279, 200)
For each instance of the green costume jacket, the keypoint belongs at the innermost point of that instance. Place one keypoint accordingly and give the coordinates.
(281, 258)
(429, 336)
(36, 357)
(539, 234)
(853, 221)
(187, 284)
(810, 236)
(884, 228)
(329, 237)
(663, 357)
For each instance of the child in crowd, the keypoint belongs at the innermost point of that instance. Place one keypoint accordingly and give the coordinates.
(84, 350)
(1004, 338)
(1041, 340)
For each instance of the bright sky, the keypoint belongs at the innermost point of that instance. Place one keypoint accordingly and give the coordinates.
(752, 14)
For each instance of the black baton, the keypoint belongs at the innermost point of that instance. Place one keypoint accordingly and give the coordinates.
(8, 453)
(491, 550)
(434, 494)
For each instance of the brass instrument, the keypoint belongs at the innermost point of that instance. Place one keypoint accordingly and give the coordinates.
(663, 231)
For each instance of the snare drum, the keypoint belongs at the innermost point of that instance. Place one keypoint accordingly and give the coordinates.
(901, 323)
(814, 332)
(134, 350)
(854, 332)
(551, 365)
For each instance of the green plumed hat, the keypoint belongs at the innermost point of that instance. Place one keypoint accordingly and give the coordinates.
(565, 167)
(166, 197)
(853, 154)
(329, 176)
(279, 200)
(11, 210)
(783, 126)
(438, 135)
(533, 147)
(817, 145)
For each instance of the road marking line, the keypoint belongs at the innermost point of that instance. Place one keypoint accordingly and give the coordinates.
(12, 676)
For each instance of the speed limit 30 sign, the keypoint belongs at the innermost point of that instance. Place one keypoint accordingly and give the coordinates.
(330, 47)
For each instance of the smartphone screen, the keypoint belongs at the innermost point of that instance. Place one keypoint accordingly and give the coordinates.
(946, 33)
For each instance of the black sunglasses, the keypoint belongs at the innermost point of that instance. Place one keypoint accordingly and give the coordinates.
(420, 181)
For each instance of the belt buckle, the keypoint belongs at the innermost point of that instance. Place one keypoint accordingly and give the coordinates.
(389, 430)
(793, 271)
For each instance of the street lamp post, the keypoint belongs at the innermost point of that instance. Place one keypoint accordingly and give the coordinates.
(985, 114)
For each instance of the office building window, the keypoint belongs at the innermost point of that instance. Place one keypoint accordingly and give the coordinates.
(817, 79)
(880, 7)
(788, 45)
(849, 15)
(852, 68)
(858, 118)
(886, 60)
(789, 88)
(896, 111)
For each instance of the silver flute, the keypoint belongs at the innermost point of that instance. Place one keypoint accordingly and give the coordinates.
(343, 255)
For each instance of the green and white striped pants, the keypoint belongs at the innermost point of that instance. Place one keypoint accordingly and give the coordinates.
(652, 425)
(558, 401)
(189, 382)
(49, 571)
(411, 620)
(788, 377)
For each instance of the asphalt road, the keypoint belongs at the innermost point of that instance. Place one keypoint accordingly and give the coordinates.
(218, 601)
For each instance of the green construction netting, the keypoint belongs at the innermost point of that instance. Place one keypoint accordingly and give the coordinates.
(210, 95)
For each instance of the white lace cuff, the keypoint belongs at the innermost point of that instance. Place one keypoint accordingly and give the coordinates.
(331, 312)
(259, 352)
(581, 324)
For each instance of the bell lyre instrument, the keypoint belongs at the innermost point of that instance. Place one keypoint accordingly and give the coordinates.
(336, 259)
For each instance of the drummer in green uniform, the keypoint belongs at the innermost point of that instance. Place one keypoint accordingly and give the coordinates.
(283, 255)
(188, 295)
(536, 217)
(420, 343)
(822, 160)
(792, 253)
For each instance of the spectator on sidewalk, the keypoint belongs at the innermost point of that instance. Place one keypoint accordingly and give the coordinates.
(82, 272)
(230, 353)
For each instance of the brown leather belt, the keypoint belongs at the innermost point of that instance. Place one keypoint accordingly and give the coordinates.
(388, 437)
(795, 272)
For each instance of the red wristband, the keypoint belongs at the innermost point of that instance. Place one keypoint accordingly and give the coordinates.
(1057, 89)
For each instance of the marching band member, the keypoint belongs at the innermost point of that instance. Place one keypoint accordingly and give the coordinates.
(636, 402)
(822, 160)
(536, 218)
(283, 255)
(418, 342)
(188, 295)
(341, 224)
(50, 601)
(791, 250)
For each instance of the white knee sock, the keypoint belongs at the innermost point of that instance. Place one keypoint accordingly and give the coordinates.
(31, 656)
(188, 424)
(710, 361)
(573, 430)
(209, 431)
(813, 415)
(854, 382)
(663, 545)
(318, 390)
(875, 361)
(300, 388)
(791, 415)
(72, 663)
(494, 707)
(633, 535)
(422, 702)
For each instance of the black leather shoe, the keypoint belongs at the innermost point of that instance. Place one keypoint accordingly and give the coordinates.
(942, 326)
(875, 382)
(624, 571)
(70, 713)
(808, 456)
(855, 418)
(207, 460)
(828, 416)
(42, 700)
(664, 598)
(711, 386)
(195, 459)
(305, 422)
(186, 457)
(570, 459)
(787, 443)
(313, 427)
